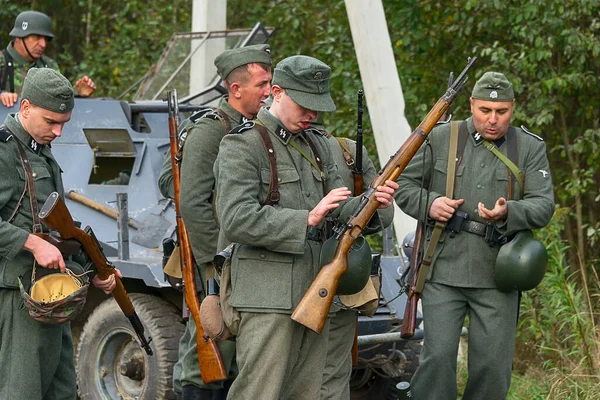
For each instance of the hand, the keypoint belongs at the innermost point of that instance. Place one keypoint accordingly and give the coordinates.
(107, 285)
(500, 211)
(327, 203)
(8, 99)
(45, 254)
(443, 208)
(85, 86)
(385, 194)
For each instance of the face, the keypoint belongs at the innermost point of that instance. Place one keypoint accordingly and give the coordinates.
(36, 44)
(492, 118)
(294, 117)
(252, 94)
(43, 125)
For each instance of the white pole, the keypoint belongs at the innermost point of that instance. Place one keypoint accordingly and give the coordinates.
(207, 15)
(381, 83)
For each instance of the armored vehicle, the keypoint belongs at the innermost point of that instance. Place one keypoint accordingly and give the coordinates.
(111, 153)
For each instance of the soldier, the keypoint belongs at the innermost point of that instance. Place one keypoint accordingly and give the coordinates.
(342, 326)
(32, 33)
(462, 280)
(36, 359)
(276, 225)
(246, 72)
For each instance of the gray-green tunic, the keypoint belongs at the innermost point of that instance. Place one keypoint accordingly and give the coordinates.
(36, 360)
(462, 280)
(21, 66)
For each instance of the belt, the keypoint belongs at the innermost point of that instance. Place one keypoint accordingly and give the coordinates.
(460, 222)
(313, 233)
(475, 227)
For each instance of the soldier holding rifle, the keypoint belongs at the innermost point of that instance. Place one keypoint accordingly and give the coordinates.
(278, 231)
(36, 358)
(489, 204)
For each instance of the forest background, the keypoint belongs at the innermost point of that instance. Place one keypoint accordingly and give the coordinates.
(549, 49)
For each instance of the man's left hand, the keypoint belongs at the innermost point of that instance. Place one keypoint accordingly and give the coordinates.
(107, 285)
(500, 211)
(85, 86)
(385, 194)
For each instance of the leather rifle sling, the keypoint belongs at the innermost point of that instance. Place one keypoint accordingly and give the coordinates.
(439, 226)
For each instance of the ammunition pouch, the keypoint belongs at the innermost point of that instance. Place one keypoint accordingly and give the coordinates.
(230, 316)
(460, 223)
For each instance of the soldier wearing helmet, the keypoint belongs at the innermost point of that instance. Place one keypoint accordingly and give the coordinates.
(503, 189)
(32, 32)
(36, 348)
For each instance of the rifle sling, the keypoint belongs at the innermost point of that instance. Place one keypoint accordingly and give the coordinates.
(506, 160)
(37, 224)
(439, 226)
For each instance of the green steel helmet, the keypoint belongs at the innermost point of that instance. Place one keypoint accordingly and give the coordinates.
(32, 23)
(521, 263)
(359, 264)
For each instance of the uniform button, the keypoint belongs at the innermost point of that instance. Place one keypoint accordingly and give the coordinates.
(33, 174)
(278, 179)
(478, 186)
(475, 211)
(482, 165)
(262, 256)
(307, 194)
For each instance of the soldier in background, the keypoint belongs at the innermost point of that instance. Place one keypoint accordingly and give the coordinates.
(246, 72)
(32, 33)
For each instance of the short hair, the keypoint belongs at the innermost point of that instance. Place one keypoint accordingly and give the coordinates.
(241, 74)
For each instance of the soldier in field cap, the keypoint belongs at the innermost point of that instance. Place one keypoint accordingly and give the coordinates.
(246, 74)
(36, 359)
(276, 182)
(502, 186)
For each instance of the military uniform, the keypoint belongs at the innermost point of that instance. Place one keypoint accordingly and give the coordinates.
(462, 279)
(36, 359)
(342, 326)
(276, 256)
(21, 66)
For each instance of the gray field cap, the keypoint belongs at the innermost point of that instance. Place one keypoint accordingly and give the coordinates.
(47, 88)
(231, 59)
(493, 86)
(306, 81)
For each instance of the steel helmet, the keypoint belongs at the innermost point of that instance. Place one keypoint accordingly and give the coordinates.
(408, 244)
(521, 263)
(32, 23)
(359, 264)
(56, 297)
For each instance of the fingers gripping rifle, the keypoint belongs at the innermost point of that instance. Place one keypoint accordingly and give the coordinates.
(313, 308)
(56, 215)
(211, 365)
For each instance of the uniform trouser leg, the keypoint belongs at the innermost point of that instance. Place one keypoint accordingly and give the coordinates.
(277, 359)
(492, 329)
(444, 310)
(338, 366)
(36, 360)
(183, 348)
(188, 359)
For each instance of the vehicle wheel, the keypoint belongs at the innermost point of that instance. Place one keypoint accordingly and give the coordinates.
(110, 362)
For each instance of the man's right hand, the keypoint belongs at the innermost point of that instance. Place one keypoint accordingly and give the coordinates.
(46, 254)
(443, 208)
(8, 99)
(327, 203)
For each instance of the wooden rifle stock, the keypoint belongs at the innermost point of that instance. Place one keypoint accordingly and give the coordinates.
(55, 214)
(212, 368)
(313, 308)
(409, 322)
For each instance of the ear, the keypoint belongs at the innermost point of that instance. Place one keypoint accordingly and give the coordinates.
(25, 108)
(234, 90)
(277, 91)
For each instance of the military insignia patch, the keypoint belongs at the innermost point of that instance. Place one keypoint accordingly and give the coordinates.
(24, 25)
(319, 75)
(35, 146)
(5, 134)
(283, 134)
(62, 107)
(242, 128)
(493, 94)
(527, 131)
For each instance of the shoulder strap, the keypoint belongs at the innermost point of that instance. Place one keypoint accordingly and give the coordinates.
(8, 72)
(346, 152)
(37, 225)
(224, 120)
(273, 195)
(463, 136)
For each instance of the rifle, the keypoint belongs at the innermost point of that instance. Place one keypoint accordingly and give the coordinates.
(55, 214)
(211, 365)
(357, 172)
(313, 308)
(416, 280)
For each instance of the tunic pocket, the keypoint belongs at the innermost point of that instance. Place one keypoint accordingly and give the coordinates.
(261, 278)
(288, 181)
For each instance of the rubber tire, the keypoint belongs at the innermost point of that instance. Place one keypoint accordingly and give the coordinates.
(108, 337)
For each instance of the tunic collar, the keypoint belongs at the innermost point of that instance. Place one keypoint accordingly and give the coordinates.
(274, 125)
(233, 114)
(477, 138)
(21, 134)
(18, 59)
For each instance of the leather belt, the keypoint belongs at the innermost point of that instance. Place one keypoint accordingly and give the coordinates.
(475, 227)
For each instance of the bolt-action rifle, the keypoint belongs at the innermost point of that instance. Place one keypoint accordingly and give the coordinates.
(413, 287)
(212, 368)
(56, 215)
(313, 308)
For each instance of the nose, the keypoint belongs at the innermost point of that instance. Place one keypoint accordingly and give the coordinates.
(493, 118)
(43, 41)
(57, 130)
(313, 114)
(267, 90)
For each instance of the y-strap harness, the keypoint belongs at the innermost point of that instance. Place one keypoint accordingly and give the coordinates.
(8, 72)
